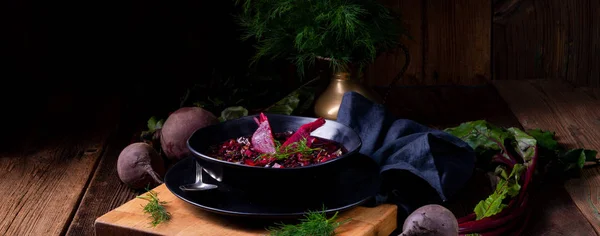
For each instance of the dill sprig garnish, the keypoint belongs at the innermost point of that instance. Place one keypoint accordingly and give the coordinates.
(155, 208)
(299, 147)
(315, 224)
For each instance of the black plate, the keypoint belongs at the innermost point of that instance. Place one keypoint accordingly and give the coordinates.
(357, 182)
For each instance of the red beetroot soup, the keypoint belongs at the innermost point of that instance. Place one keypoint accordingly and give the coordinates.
(309, 151)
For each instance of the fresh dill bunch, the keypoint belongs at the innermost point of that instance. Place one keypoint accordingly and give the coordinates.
(343, 32)
(155, 208)
(314, 224)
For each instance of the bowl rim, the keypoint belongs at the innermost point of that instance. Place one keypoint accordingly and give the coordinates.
(205, 157)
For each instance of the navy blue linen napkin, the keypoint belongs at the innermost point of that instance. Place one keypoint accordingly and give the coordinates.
(419, 165)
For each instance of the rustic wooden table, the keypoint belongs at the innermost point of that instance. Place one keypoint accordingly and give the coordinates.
(60, 175)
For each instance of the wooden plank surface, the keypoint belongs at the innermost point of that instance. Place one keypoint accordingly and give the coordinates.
(457, 42)
(550, 39)
(129, 219)
(555, 213)
(574, 116)
(106, 191)
(44, 177)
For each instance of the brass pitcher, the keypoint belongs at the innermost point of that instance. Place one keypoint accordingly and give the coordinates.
(328, 103)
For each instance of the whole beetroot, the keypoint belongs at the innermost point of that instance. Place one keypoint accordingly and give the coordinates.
(430, 220)
(178, 128)
(139, 166)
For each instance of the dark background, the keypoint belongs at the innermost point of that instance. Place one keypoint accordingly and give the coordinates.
(72, 45)
(147, 52)
(150, 51)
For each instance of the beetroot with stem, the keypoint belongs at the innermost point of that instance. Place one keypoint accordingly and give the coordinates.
(139, 166)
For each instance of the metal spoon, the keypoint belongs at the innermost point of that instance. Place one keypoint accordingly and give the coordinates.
(199, 185)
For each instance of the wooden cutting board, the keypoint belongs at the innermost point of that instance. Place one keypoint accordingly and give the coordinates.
(186, 219)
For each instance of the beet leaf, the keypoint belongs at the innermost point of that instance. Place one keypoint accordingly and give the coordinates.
(513, 147)
(525, 143)
(576, 158)
(151, 136)
(154, 123)
(545, 139)
(559, 159)
(516, 152)
(481, 135)
(507, 186)
(232, 113)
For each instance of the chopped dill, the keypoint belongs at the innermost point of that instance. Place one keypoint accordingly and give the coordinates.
(314, 224)
(155, 208)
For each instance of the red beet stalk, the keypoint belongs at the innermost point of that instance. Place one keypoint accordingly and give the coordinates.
(511, 226)
(491, 223)
(473, 216)
(503, 160)
(467, 218)
(499, 231)
(524, 225)
(507, 228)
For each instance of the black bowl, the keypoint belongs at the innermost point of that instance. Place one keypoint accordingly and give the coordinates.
(306, 181)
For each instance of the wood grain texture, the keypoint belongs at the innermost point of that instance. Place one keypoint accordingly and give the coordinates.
(449, 106)
(574, 116)
(387, 66)
(43, 179)
(550, 39)
(504, 8)
(458, 39)
(555, 213)
(129, 219)
(449, 45)
(105, 191)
